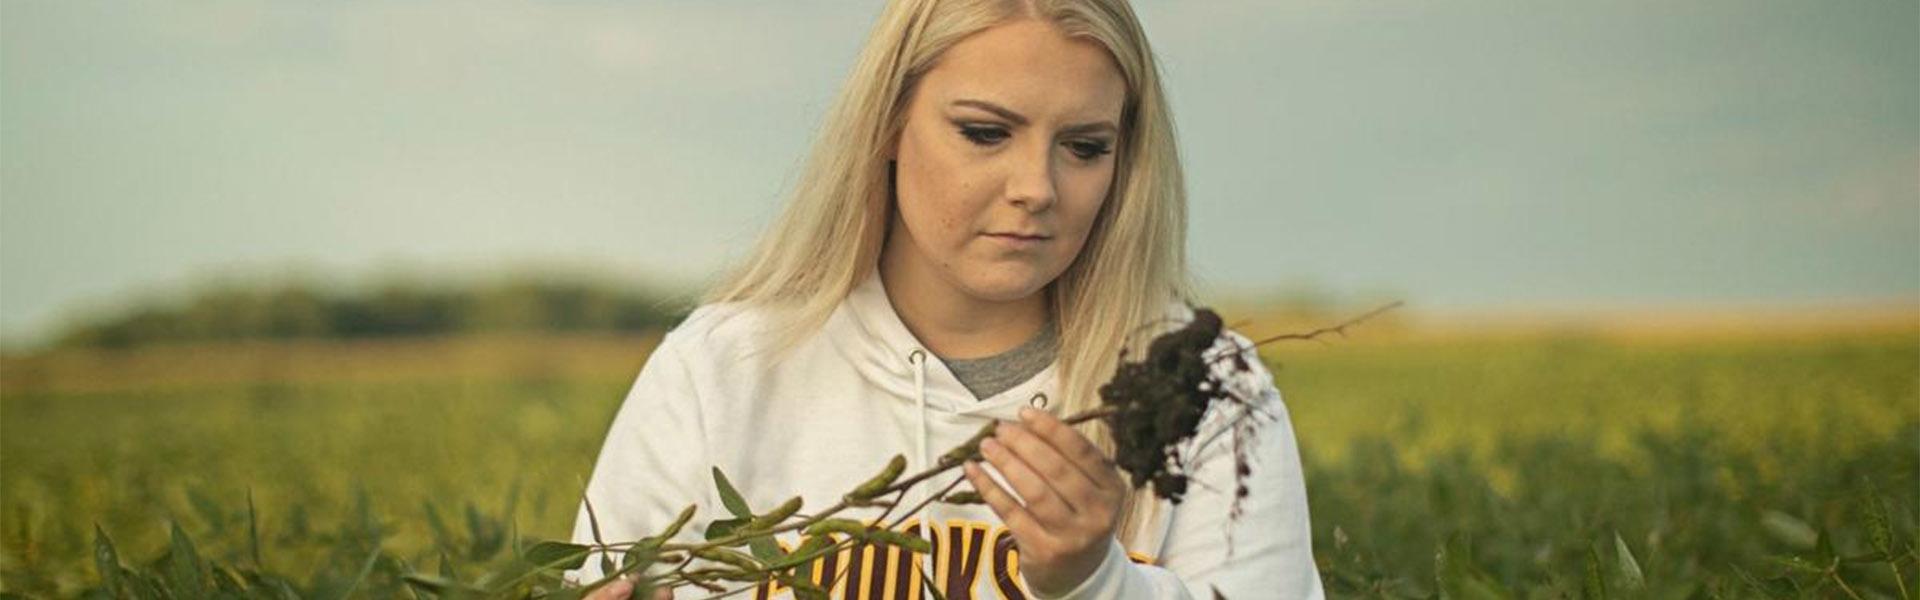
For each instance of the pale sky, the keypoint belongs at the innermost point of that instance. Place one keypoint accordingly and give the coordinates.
(1458, 155)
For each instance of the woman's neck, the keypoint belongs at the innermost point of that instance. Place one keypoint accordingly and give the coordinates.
(952, 323)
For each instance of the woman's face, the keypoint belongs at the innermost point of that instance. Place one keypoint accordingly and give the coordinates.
(1005, 158)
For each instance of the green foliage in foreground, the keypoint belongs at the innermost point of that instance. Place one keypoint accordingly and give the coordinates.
(1548, 469)
(1703, 523)
(1690, 540)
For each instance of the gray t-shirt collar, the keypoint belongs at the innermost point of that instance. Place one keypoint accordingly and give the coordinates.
(990, 375)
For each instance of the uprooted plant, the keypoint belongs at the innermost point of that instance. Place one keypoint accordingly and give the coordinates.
(1154, 408)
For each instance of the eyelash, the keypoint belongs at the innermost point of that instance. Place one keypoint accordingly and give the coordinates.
(1087, 151)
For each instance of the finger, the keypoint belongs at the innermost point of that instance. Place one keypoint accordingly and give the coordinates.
(666, 594)
(1042, 497)
(618, 590)
(1092, 505)
(1022, 523)
(1098, 468)
(1080, 491)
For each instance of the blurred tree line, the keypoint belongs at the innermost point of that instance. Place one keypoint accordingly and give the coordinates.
(302, 310)
(262, 307)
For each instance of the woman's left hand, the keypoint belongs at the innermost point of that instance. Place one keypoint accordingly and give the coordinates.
(1072, 493)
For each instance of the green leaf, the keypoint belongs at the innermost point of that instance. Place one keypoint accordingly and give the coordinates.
(1629, 568)
(361, 576)
(187, 575)
(809, 591)
(804, 588)
(269, 586)
(1879, 529)
(1460, 579)
(143, 586)
(511, 511)
(725, 527)
(1788, 529)
(369, 524)
(1765, 588)
(933, 589)
(1593, 586)
(253, 530)
(765, 549)
(730, 496)
(441, 586)
(209, 510)
(812, 548)
(106, 560)
(226, 582)
(513, 525)
(442, 537)
(520, 576)
(550, 554)
(1823, 548)
(487, 536)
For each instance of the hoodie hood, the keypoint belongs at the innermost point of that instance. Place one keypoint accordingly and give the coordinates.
(868, 332)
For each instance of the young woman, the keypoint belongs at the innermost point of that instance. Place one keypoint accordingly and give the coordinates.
(993, 211)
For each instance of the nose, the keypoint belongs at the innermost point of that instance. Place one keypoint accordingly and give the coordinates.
(1030, 184)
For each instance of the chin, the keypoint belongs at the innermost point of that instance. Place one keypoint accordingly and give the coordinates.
(1005, 283)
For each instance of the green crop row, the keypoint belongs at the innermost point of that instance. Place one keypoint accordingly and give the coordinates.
(1558, 467)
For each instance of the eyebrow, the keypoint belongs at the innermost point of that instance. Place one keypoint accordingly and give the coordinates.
(1017, 119)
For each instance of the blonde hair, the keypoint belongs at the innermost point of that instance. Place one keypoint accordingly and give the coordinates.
(1116, 293)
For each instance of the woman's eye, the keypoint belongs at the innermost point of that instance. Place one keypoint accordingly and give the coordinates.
(983, 136)
(988, 136)
(1090, 150)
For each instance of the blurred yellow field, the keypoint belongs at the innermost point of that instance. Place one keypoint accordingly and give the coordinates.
(130, 439)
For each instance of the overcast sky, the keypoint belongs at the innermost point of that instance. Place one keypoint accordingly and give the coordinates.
(1460, 154)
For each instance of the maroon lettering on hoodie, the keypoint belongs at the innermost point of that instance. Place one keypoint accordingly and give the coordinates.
(963, 552)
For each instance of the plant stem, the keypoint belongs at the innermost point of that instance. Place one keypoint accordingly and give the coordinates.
(948, 464)
(1835, 574)
(1899, 582)
(925, 501)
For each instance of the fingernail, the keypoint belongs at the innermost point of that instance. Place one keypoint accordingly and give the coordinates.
(620, 588)
(1027, 413)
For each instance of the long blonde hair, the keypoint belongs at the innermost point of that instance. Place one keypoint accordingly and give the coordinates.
(1114, 295)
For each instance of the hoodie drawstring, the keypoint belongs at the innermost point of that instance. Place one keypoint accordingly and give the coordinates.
(919, 359)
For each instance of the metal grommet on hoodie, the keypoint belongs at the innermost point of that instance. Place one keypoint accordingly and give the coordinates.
(916, 356)
(1038, 400)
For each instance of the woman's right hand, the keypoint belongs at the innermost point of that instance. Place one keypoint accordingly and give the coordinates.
(621, 588)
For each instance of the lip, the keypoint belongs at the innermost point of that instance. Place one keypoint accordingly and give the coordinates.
(1019, 241)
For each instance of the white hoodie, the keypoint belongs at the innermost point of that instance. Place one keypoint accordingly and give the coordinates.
(862, 389)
